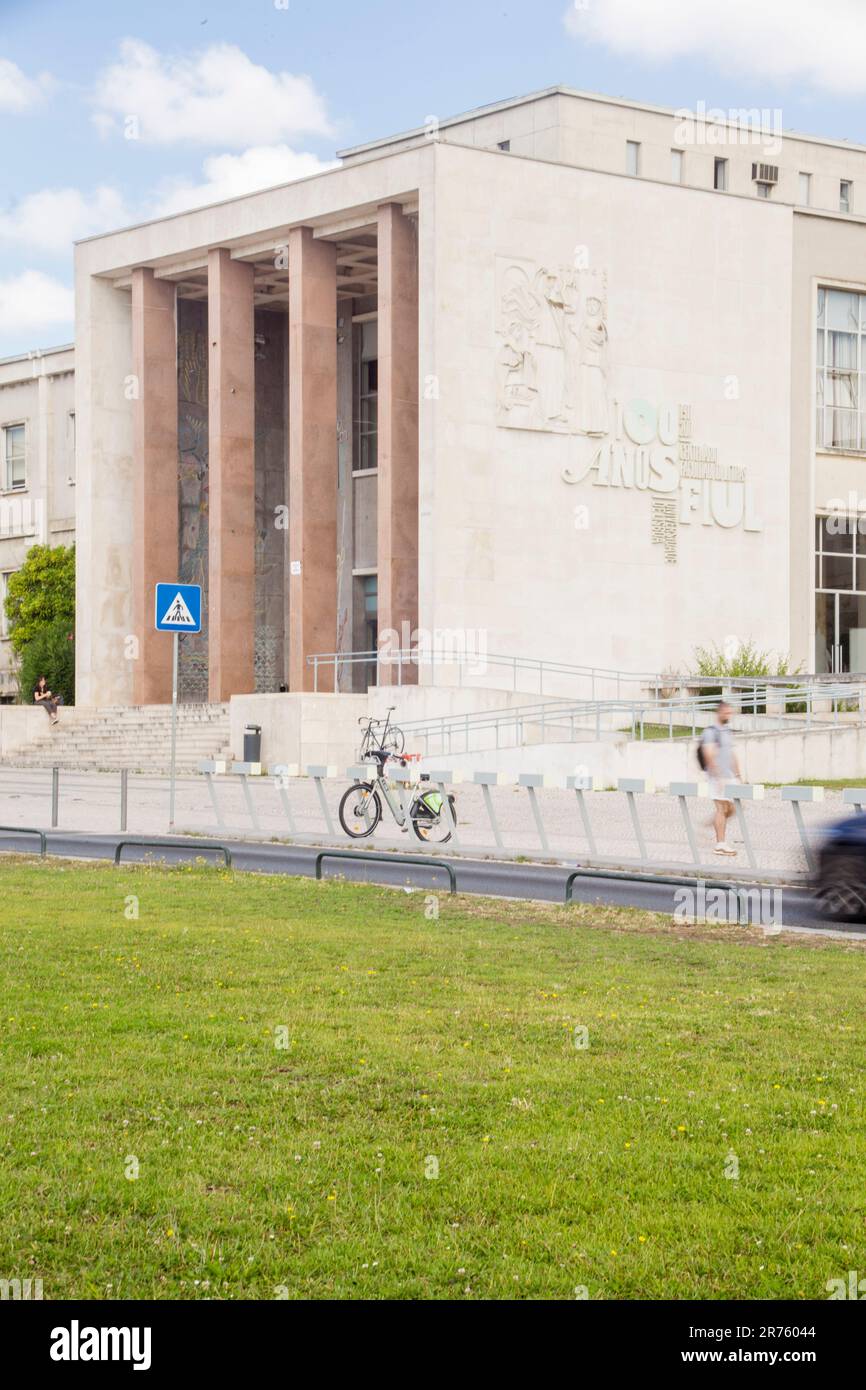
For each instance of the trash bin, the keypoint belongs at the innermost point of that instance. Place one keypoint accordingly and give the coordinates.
(252, 743)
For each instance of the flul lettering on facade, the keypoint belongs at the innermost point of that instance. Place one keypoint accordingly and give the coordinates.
(647, 453)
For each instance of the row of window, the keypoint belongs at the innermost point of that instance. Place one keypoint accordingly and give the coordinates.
(763, 186)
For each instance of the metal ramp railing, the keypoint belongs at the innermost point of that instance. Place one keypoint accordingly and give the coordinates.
(540, 676)
(490, 730)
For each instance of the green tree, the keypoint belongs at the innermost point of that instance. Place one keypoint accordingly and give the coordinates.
(40, 593)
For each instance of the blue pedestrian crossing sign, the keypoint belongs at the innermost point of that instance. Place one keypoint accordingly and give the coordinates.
(178, 608)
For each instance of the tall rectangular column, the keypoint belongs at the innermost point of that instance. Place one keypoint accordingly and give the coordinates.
(398, 431)
(105, 490)
(155, 462)
(231, 471)
(312, 456)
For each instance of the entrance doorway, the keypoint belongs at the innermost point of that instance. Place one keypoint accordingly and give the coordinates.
(840, 597)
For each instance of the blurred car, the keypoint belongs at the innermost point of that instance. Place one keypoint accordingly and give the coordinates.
(840, 882)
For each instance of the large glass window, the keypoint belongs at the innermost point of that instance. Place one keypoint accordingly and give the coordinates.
(840, 598)
(841, 362)
(366, 400)
(14, 462)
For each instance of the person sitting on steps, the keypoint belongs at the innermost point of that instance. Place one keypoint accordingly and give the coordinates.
(47, 699)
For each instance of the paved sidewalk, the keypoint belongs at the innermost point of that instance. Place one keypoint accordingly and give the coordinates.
(91, 802)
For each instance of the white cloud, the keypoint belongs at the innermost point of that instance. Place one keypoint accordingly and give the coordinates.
(17, 91)
(31, 300)
(230, 175)
(775, 40)
(216, 97)
(53, 218)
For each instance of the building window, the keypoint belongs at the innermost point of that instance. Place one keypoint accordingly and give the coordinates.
(366, 628)
(840, 593)
(720, 175)
(805, 196)
(366, 400)
(845, 195)
(677, 166)
(14, 458)
(841, 364)
(763, 190)
(504, 145)
(632, 157)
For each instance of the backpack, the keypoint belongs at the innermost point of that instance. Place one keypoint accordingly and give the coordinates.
(709, 735)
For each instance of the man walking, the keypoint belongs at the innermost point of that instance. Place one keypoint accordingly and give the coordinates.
(718, 759)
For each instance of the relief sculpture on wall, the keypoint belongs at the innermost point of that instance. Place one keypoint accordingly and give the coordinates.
(553, 374)
(552, 360)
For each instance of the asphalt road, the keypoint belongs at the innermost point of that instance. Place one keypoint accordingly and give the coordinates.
(793, 907)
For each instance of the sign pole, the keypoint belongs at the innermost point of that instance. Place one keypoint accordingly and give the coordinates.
(175, 640)
(177, 609)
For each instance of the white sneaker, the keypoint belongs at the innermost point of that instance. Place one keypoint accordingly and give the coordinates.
(722, 848)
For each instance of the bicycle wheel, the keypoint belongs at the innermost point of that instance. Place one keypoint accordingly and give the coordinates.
(429, 820)
(394, 741)
(360, 810)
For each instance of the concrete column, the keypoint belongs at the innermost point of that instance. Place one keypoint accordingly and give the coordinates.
(104, 503)
(154, 458)
(398, 431)
(345, 493)
(312, 455)
(231, 469)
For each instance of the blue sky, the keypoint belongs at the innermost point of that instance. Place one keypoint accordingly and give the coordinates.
(224, 95)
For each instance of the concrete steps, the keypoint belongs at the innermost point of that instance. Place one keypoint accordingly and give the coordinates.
(134, 737)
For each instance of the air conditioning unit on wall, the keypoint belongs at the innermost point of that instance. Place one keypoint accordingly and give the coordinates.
(765, 173)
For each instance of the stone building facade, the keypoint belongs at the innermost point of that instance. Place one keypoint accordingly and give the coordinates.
(37, 469)
(577, 374)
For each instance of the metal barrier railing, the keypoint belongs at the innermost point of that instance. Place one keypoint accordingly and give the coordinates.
(208, 845)
(639, 793)
(274, 804)
(629, 876)
(27, 830)
(374, 857)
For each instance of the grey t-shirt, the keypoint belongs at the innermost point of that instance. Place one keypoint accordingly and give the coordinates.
(721, 736)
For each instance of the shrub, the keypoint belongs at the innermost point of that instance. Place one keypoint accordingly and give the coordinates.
(51, 654)
(747, 662)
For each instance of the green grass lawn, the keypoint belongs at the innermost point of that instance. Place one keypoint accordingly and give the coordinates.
(660, 731)
(416, 1047)
(837, 784)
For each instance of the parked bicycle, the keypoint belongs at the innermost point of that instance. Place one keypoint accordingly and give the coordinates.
(381, 735)
(418, 805)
